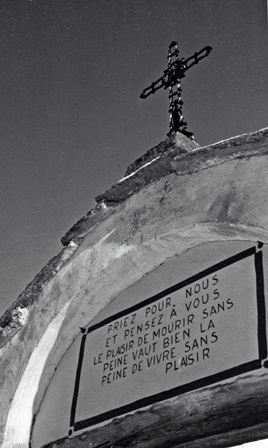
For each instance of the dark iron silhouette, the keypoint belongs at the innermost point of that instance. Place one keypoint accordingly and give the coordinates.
(172, 79)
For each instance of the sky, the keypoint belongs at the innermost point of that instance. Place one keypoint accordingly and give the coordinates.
(71, 117)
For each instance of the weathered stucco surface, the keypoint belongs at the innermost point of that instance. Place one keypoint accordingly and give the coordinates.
(176, 201)
(188, 421)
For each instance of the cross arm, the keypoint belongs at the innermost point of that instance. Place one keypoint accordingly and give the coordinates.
(192, 60)
(156, 85)
(175, 71)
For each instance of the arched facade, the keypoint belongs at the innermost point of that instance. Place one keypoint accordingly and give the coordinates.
(176, 203)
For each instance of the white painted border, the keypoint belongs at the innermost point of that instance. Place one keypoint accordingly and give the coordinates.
(18, 426)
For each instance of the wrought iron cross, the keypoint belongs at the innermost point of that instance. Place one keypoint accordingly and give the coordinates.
(172, 79)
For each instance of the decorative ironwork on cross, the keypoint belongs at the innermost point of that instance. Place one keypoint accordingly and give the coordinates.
(172, 79)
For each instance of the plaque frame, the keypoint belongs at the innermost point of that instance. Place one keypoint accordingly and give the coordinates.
(197, 384)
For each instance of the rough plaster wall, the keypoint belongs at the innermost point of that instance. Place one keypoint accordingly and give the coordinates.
(139, 238)
(174, 203)
(192, 420)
